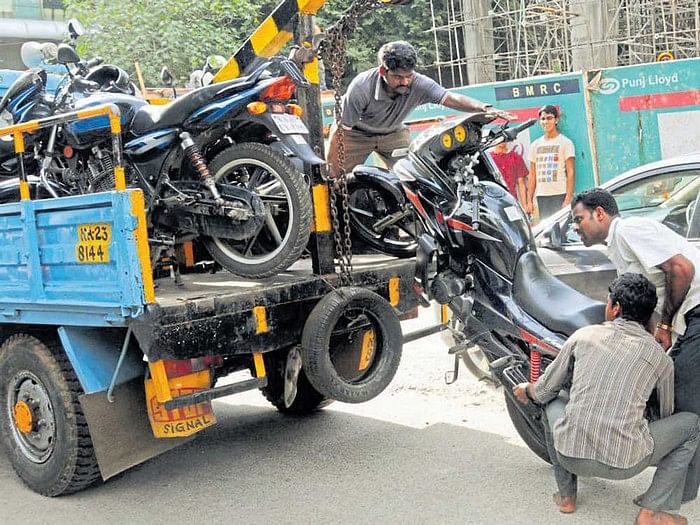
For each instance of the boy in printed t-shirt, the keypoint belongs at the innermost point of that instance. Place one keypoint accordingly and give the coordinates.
(551, 167)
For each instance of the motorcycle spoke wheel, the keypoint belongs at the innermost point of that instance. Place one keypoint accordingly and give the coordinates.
(284, 232)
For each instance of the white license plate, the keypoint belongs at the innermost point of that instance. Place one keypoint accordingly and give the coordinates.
(288, 124)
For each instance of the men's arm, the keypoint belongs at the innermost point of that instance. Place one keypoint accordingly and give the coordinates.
(531, 187)
(664, 390)
(678, 274)
(570, 182)
(549, 384)
(354, 105)
(522, 192)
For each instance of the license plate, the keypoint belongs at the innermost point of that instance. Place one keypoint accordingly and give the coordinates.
(93, 243)
(288, 124)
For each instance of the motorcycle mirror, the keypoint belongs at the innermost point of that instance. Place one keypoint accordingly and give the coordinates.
(166, 76)
(399, 152)
(75, 28)
(215, 62)
(67, 55)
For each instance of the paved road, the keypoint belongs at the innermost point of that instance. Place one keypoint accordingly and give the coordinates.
(422, 452)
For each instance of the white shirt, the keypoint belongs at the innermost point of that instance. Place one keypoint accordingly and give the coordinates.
(550, 156)
(639, 245)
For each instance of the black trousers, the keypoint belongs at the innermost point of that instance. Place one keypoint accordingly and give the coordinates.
(686, 358)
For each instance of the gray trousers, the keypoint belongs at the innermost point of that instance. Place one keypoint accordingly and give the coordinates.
(357, 147)
(675, 441)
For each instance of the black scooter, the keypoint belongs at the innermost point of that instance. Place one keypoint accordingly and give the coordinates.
(476, 254)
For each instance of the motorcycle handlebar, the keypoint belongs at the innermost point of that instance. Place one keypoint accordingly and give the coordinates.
(94, 62)
(511, 133)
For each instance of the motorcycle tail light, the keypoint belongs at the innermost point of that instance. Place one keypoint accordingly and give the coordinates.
(280, 89)
(68, 152)
(256, 108)
(295, 109)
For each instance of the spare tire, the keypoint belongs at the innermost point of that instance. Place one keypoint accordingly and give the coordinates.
(351, 345)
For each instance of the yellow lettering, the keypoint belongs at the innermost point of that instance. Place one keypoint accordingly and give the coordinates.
(556, 87)
(530, 91)
(516, 92)
(543, 89)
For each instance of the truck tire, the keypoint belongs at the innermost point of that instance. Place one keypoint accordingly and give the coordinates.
(44, 431)
(333, 341)
(532, 436)
(287, 200)
(307, 400)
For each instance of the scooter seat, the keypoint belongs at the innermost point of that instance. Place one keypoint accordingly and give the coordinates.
(550, 301)
(149, 118)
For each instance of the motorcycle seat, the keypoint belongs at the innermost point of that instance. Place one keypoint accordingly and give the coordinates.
(550, 301)
(149, 118)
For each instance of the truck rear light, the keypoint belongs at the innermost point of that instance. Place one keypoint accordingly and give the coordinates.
(281, 89)
(183, 367)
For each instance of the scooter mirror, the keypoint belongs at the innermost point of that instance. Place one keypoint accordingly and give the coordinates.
(215, 62)
(166, 76)
(67, 55)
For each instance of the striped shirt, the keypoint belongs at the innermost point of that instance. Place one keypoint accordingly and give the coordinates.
(612, 369)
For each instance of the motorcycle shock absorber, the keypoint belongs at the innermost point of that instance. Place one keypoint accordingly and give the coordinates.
(535, 362)
(197, 159)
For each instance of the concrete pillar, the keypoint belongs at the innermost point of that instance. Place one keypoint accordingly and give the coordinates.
(593, 33)
(478, 41)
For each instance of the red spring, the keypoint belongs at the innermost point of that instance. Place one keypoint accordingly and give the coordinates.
(535, 361)
(198, 161)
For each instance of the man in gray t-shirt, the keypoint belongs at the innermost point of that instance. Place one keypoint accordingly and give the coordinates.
(377, 102)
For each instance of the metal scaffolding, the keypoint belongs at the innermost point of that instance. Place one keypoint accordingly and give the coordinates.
(487, 40)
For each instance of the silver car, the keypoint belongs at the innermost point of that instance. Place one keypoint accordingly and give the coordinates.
(666, 191)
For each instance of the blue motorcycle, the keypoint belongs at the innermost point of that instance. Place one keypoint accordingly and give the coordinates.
(214, 164)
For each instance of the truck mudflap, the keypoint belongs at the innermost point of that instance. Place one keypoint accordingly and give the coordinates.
(121, 431)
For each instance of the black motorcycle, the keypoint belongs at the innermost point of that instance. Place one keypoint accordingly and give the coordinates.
(476, 254)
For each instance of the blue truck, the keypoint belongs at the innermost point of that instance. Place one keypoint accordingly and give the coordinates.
(107, 360)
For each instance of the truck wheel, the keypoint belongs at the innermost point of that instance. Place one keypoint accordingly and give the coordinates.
(43, 428)
(351, 345)
(307, 400)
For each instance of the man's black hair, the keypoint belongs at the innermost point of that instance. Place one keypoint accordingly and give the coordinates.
(549, 108)
(397, 55)
(636, 296)
(591, 199)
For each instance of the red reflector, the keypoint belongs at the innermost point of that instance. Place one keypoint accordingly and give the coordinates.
(278, 108)
(68, 151)
(281, 89)
(182, 367)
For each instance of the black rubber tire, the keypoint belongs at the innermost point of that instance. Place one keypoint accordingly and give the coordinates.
(298, 229)
(316, 345)
(72, 465)
(307, 400)
(380, 203)
(530, 431)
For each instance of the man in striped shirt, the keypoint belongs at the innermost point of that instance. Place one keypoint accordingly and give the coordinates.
(599, 428)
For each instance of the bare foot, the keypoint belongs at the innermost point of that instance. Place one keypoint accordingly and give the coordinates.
(650, 517)
(566, 504)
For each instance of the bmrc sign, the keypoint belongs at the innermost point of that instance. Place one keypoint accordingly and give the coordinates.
(537, 89)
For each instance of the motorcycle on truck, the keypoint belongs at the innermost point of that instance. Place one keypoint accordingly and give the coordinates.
(214, 164)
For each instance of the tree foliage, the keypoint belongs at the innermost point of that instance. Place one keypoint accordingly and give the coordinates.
(181, 34)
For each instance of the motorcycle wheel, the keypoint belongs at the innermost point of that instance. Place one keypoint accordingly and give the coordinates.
(530, 431)
(288, 209)
(369, 204)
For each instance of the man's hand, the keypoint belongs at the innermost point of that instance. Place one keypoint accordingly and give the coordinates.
(663, 337)
(502, 114)
(520, 392)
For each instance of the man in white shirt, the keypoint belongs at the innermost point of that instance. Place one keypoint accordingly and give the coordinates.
(672, 264)
(551, 167)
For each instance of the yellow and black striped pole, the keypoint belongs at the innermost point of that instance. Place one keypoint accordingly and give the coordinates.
(269, 38)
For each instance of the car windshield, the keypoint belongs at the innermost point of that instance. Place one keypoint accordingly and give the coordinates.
(663, 192)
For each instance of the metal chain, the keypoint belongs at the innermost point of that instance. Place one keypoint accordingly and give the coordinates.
(333, 52)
